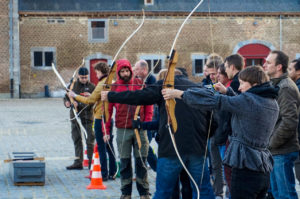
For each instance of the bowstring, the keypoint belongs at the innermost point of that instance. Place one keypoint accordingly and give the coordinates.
(211, 115)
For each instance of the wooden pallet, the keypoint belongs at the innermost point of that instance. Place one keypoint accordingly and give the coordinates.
(29, 183)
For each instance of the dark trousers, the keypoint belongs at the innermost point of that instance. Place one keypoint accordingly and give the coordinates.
(126, 176)
(247, 184)
(77, 139)
(151, 159)
(105, 150)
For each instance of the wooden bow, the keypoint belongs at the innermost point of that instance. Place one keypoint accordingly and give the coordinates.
(169, 83)
(170, 104)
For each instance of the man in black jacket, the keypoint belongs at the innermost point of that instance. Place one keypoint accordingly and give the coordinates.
(82, 87)
(190, 137)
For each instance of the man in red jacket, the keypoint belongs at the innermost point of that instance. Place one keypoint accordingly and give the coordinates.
(126, 139)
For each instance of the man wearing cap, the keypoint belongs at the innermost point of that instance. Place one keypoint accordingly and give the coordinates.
(81, 87)
(126, 140)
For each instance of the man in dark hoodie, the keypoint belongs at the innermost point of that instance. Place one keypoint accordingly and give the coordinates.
(284, 144)
(190, 138)
(126, 139)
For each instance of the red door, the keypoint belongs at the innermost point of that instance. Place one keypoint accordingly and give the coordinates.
(93, 76)
(254, 54)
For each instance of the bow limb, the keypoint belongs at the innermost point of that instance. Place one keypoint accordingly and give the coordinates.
(169, 83)
(107, 87)
(113, 69)
(71, 99)
(136, 131)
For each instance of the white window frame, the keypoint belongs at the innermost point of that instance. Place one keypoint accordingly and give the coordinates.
(194, 57)
(43, 50)
(148, 4)
(90, 35)
(154, 57)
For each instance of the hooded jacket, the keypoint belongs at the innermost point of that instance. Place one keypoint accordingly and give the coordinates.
(124, 112)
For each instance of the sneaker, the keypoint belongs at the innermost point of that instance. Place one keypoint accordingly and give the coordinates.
(75, 167)
(125, 197)
(219, 197)
(111, 177)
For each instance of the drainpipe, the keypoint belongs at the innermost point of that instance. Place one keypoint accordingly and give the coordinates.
(11, 61)
(15, 79)
(280, 34)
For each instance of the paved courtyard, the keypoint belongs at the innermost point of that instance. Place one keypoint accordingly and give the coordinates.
(42, 126)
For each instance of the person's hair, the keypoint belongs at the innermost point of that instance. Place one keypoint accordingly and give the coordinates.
(143, 64)
(163, 72)
(237, 60)
(223, 70)
(297, 64)
(282, 59)
(102, 67)
(254, 75)
(214, 60)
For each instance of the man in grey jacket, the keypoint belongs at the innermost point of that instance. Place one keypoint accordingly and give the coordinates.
(284, 144)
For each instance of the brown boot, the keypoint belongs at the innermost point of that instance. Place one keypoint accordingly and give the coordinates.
(125, 197)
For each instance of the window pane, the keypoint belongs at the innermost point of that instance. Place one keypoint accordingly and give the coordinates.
(48, 58)
(158, 66)
(198, 66)
(98, 24)
(149, 62)
(98, 33)
(38, 58)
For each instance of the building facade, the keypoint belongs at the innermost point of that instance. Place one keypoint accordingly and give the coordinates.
(66, 35)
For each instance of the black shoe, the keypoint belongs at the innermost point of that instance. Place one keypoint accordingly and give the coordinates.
(104, 179)
(111, 177)
(75, 167)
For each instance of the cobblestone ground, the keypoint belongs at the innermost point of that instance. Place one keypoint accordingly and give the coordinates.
(42, 126)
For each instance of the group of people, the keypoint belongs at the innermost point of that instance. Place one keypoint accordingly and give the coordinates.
(247, 118)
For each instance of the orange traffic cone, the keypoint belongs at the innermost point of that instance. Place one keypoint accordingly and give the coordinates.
(96, 181)
(85, 159)
(92, 164)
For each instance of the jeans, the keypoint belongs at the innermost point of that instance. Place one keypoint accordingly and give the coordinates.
(282, 176)
(168, 170)
(151, 159)
(249, 184)
(103, 148)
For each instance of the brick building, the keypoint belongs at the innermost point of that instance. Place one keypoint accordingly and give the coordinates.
(69, 31)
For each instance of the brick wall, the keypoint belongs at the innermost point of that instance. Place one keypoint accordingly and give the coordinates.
(4, 46)
(155, 37)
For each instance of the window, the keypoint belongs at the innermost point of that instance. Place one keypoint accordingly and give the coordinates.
(98, 30)
(149, 2)
(254, 62)
(155, 62)
(42, 57)
(198, 62)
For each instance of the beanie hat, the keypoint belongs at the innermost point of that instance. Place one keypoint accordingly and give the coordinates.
(83, 71)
